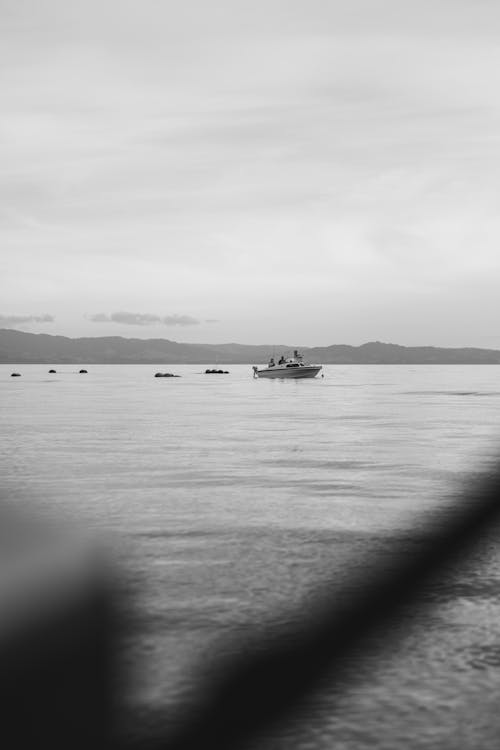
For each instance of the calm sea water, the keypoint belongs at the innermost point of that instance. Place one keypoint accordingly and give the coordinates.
(234, 500)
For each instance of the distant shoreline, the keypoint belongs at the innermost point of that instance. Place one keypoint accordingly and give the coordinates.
(228, 362)
(19, 347)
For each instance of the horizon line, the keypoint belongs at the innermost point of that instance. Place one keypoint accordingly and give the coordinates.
(236, 343)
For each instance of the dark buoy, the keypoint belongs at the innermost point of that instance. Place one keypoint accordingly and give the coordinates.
(83, 372)
(15, 375)
(51, 372)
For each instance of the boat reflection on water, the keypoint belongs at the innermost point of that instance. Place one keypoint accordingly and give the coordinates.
(288, 367)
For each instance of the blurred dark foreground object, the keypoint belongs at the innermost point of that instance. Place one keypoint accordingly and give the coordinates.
(59, 669)
(58, 636)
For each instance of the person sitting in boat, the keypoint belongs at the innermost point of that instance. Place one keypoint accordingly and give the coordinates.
(282, 360)
(271, 362)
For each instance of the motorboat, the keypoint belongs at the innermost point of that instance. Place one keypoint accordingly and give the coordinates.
(288, 367)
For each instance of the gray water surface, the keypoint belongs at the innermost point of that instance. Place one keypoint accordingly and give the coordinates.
(233, 501)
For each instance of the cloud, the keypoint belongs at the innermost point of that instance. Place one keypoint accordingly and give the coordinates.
(126, 318)
(143, 319)
(25, 320)
(99, 318)
(179, 320)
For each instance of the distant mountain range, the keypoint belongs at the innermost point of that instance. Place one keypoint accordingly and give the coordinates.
(18, 347)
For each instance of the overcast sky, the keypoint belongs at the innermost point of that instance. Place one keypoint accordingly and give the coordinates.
(262, 172)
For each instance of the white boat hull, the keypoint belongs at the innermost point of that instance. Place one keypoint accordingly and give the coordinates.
(289, 372)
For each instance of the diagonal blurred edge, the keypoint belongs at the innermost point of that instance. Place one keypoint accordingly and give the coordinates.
(268, 683)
